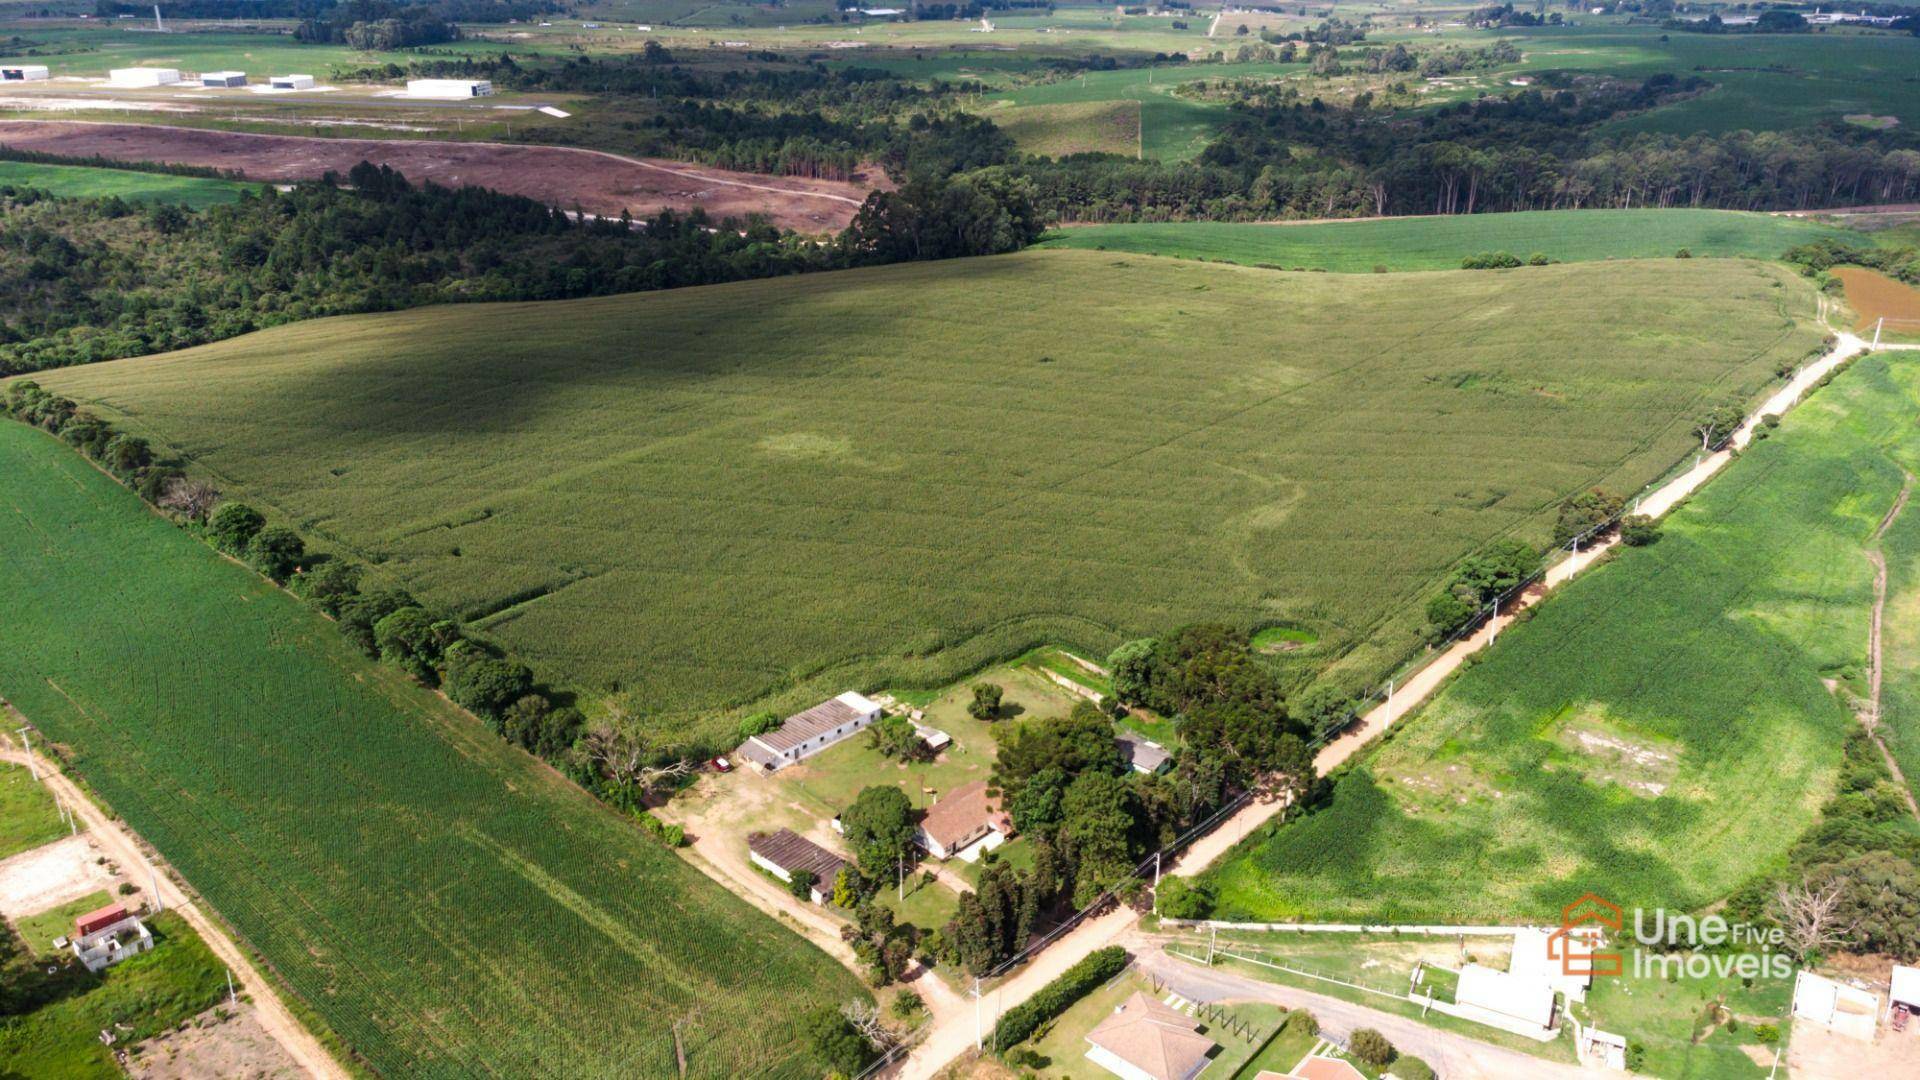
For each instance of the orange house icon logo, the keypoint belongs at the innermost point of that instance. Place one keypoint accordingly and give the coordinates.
(1584, 925)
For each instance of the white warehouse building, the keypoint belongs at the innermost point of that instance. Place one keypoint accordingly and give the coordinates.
(223, 78)
(143, 76)
(23, 72)
(290, 82)
(449, 89)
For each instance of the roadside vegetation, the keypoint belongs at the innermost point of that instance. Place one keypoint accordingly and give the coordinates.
(1091, 496)
(440, 872)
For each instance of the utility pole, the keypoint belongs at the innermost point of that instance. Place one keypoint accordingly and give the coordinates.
(976, 1013)
(1213, 939)
(232, 998)
(153, 882)
(1493, 622)
(899, 873)
(1877, 324)
(26, 740)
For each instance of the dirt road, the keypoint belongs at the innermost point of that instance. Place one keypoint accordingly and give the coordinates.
(123, 847)
(945, 1040)
(593, 180)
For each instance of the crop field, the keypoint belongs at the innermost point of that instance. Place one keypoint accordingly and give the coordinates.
(1439, 243)
(1171, 128)
(698, 498)
(1077, 127)
(76, 181)
(1762, 82)
(1874, 296)
(1656, 734)
(414, 881)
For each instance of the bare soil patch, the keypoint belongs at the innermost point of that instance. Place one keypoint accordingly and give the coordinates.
(1874, 296)
(51, 875)
(562, 176)
(223, 1041)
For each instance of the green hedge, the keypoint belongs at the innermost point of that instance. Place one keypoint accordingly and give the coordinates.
(1055, 997)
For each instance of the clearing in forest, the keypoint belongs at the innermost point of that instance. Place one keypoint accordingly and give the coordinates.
(1658, 732)
(702, 497)
(420, 885)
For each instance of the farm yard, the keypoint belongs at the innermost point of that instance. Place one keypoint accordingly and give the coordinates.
(1439, 243)
(416, 883)
(597, 183)
(667, 501)
(1664, 779)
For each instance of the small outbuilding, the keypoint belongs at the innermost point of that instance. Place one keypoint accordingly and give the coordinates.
(290, 82)
(1905, 991)
(223, 79)
(786, 853)
(1145, 755)
(449, 89)
(1842, 1009)
(1515, 1003)
(23, 72)
(108, 935)
(143, 76)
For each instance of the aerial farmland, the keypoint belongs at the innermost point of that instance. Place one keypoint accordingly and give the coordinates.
(661, 539)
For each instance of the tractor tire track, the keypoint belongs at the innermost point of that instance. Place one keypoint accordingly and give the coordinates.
(1871, 720)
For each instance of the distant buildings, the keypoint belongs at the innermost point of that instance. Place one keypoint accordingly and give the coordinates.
(108, 936)
(142, 76)
(290, 82)
(807, 733)
(23, 72)
(449, 89)
(223, 79)
(1145, 755)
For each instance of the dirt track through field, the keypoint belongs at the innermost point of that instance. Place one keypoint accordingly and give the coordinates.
(1872, 718)
(595, 181)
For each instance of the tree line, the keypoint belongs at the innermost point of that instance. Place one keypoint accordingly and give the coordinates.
(84, 280)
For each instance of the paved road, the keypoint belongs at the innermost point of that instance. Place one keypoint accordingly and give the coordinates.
(1455, 1057)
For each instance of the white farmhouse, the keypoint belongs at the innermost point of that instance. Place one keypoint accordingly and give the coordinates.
(22, 72)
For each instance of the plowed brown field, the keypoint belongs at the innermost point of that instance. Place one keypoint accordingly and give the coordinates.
(596, 182)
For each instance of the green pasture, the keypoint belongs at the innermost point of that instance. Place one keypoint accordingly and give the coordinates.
(1900, 629)
(137, 999)
(78, 181)
(1669, 1019)
(28, 816)
(1439, 243)
(41, 929)
(762, 493)
(1762, 81)
(69, 49)
(1171, 128)
(1657, 733)
(413, 880)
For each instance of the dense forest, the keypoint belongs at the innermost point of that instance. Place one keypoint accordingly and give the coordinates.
(83, 280)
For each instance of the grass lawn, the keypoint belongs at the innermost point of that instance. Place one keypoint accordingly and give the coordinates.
(1280, 1055)
(85, 182)
(1439, 243)
(928, 905)
(1383, 962)
(138, 998)
(28, 815)
(413, 880)
(38, 931)
(1658, 733)
(1670, 1020)
(758, 495)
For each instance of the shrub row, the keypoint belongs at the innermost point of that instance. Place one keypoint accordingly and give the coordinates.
(1055, 997)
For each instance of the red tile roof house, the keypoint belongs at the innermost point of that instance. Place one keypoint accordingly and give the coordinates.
(1146, 1040)
(786, 853)
(805, 734)
(965, 822)
(109, 935)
